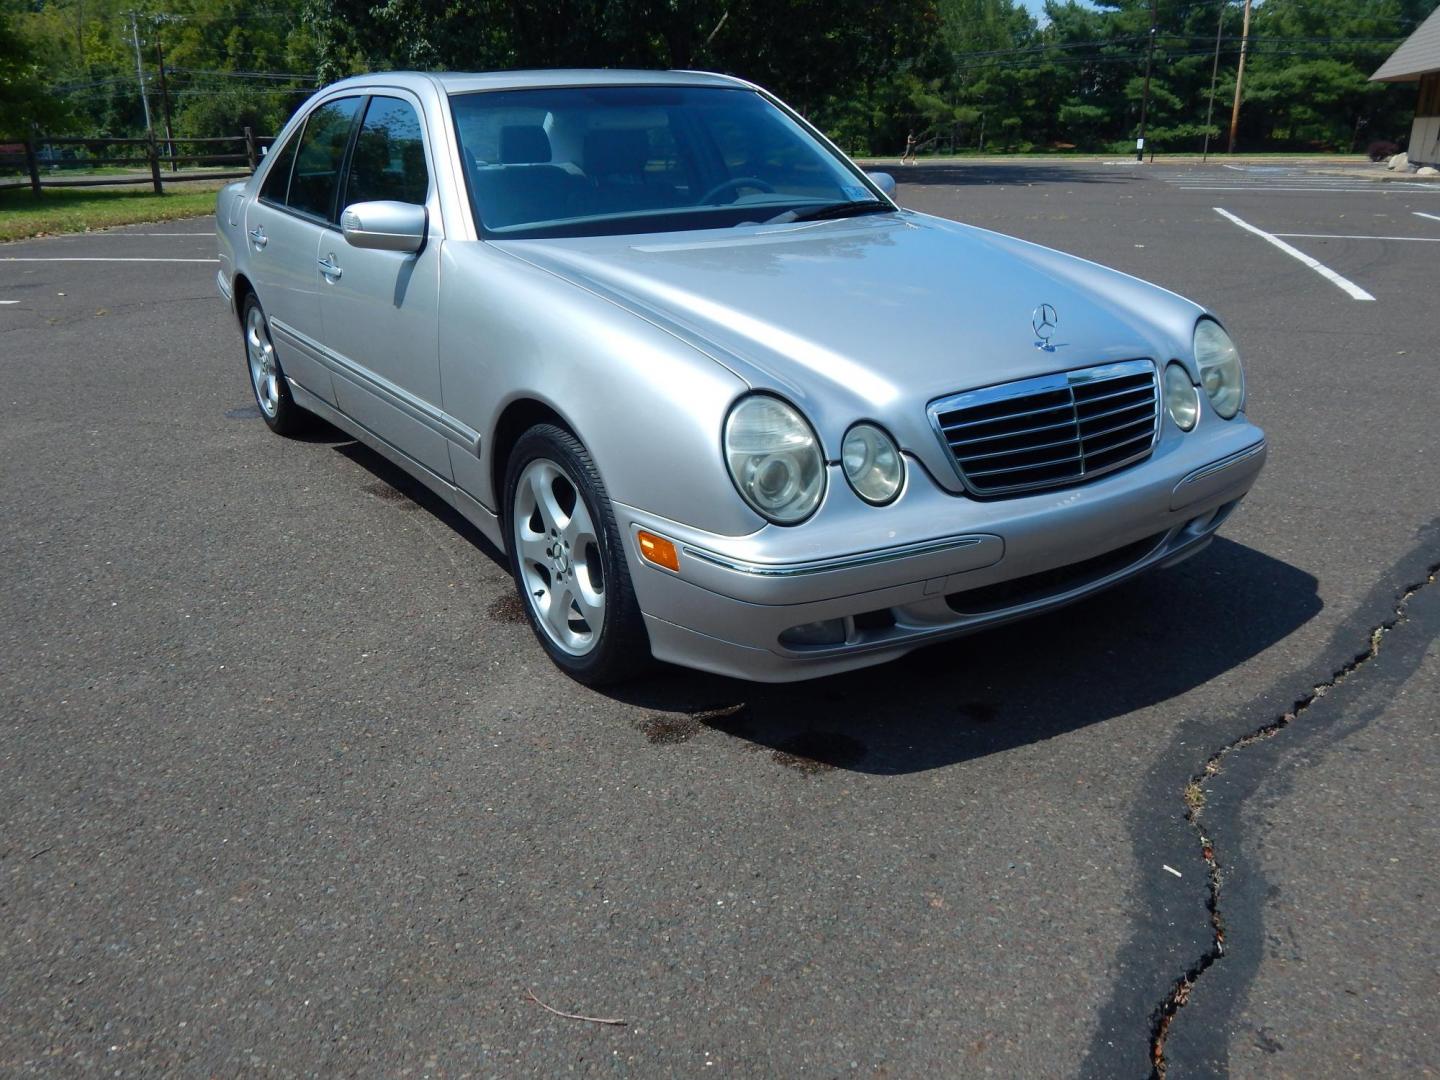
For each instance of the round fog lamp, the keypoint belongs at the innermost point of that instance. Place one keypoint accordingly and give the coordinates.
(872, 463)
(1181, 400)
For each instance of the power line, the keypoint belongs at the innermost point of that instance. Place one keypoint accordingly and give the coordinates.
(1130, 40)
(275, 75)
(1136, 57)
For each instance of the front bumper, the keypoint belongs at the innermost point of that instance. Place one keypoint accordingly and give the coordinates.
(932, 566)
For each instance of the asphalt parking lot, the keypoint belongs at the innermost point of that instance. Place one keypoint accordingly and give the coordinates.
(287, 788)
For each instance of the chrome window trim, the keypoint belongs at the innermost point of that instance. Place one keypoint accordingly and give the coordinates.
(1057, 381)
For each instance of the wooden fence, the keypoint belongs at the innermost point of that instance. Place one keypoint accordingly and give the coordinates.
(149, 153)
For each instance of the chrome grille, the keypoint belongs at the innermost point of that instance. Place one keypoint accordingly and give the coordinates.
(1053, 430)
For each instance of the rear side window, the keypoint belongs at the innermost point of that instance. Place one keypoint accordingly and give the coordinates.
(389, 157)
(320, 156)
(277, 180)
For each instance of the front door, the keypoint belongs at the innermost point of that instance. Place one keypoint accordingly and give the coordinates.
(379, 308)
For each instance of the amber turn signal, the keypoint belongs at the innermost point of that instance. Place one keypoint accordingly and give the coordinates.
(658, 550)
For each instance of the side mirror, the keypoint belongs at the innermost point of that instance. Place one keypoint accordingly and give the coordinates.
(884, 181)
(386, 226)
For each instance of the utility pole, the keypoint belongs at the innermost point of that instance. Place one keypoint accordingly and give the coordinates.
(1239, 78)
(165, 104)
(1145, 95)
(140, 71)
(1214, 71)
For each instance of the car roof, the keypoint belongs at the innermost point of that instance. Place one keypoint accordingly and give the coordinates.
(460, 82)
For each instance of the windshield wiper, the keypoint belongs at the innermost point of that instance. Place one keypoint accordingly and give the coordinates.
(849, 208)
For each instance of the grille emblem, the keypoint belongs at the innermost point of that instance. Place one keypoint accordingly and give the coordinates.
(1044, 320)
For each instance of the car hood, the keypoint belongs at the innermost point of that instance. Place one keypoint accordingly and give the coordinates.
(873, 317)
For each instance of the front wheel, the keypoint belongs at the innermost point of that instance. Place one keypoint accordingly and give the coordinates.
(567, 560)
(267, 380)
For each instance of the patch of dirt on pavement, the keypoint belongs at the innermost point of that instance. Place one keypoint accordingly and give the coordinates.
(662, 730)
(507, 608)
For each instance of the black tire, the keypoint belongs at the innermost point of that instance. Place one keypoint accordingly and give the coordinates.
(267, 378)
(620, 649)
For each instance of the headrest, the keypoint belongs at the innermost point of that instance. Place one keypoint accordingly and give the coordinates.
(616, 151)
(524, 144)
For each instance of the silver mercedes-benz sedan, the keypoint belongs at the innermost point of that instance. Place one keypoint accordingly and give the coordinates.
(721, 400)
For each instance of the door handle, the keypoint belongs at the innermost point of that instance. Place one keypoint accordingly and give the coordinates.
(258, 237)
(329, 268)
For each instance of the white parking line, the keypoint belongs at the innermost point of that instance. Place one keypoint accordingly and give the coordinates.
(9, 301)
(1375, 189)
(93, 235)
(1432, 217)
(1263, 181)
(96, 258)
(1320, 268)
(1266, 179)
(1347, 236)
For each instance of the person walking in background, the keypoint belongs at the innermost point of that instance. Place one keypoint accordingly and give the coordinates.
(908, 158)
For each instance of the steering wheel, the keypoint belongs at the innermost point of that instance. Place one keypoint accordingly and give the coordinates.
(735, 184)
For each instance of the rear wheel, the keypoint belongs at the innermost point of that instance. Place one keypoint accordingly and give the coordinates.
(267, 379)
(567, 560)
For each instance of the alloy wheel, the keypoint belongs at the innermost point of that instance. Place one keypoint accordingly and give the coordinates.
(264, 371)
(561, 568)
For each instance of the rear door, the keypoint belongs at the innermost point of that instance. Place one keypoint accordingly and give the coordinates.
(284, 228)
(379, 308)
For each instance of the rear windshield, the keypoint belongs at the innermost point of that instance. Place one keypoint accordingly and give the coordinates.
(615, 159)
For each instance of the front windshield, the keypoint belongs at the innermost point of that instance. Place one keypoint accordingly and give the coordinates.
(575, 161)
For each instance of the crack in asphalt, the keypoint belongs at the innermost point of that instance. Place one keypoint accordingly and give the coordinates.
(1164, 1014)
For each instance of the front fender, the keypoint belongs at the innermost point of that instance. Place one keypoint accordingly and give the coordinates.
(649, 407)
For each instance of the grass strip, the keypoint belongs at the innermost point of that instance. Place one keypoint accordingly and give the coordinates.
(67, 210)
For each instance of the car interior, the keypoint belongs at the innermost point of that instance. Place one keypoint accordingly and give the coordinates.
(543, 163)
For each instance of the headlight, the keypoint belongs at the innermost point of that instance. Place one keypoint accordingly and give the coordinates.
(774, 459)
(1219, 363)
(873, 464)
(1181, 401)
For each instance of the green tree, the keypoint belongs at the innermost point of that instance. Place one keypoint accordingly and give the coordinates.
(836, 62)
(236, 56)
(868, 71)
(1307, 83)
(25, 99)
(991, 54)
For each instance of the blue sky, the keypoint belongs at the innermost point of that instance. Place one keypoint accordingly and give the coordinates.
(1037, 7)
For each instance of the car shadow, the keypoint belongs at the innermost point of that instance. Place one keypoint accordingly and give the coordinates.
(1142, 644)
(395, 484)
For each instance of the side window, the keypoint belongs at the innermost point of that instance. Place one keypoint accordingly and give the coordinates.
(277, 180)
(321, 152)
(389, 157)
